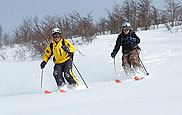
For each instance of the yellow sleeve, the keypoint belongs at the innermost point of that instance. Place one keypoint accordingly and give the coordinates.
(68, 44)
(47, 54)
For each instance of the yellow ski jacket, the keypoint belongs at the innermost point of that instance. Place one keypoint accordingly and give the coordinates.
(60, 55)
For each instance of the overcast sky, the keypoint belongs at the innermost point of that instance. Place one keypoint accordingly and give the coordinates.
(12, 12)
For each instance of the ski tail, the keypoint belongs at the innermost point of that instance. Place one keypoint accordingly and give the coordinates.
(49, 92)
(137, 78)
(117, 81)
(62, 91)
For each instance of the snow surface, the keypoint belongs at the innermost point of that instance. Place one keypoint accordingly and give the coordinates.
(158, 94)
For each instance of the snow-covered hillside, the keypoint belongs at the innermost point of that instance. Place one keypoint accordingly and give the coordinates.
(158, 94)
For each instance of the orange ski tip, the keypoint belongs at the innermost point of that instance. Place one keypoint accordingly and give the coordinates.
(62, 91)
(136, 78)
(47, 92)
(118, 81)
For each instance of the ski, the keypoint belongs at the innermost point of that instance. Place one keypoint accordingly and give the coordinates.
(117, 81)
(49, 92)
(66, 89)
(135, 79)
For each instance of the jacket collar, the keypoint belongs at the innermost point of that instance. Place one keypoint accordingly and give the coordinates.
(57, 42)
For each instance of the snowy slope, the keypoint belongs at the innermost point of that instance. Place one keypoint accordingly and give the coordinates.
(158, 94)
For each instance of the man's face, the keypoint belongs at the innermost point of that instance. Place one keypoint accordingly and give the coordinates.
(57, 37)
(126, 31)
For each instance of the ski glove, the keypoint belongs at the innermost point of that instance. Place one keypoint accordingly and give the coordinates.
(42, 65)
(113, 54)
(71, 54)
(65, 48)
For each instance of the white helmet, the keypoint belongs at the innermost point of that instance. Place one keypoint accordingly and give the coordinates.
(56, 30)
(126, 26)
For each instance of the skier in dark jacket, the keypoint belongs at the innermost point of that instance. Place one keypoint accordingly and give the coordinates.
(130, 49)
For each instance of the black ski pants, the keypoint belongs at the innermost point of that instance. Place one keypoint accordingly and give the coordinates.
(66, 69)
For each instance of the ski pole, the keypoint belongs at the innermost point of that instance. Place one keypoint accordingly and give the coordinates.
(80, 52)
(144, 67)
(117, 81)
(41, 79)
(77, 71)
(142, 64)
(114, 65)
(75, 66)
(79, 74)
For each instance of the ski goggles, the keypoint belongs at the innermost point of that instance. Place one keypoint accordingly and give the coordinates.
(56, 36)
(126, 28)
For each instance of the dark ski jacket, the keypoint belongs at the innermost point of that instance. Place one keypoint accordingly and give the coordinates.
(124, 41)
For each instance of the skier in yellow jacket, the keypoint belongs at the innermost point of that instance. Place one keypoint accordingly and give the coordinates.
(63, 52)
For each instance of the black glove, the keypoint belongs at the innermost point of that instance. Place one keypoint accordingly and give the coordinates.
(113, 54)
(71, 54)
(42, 65)
(65, 48)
